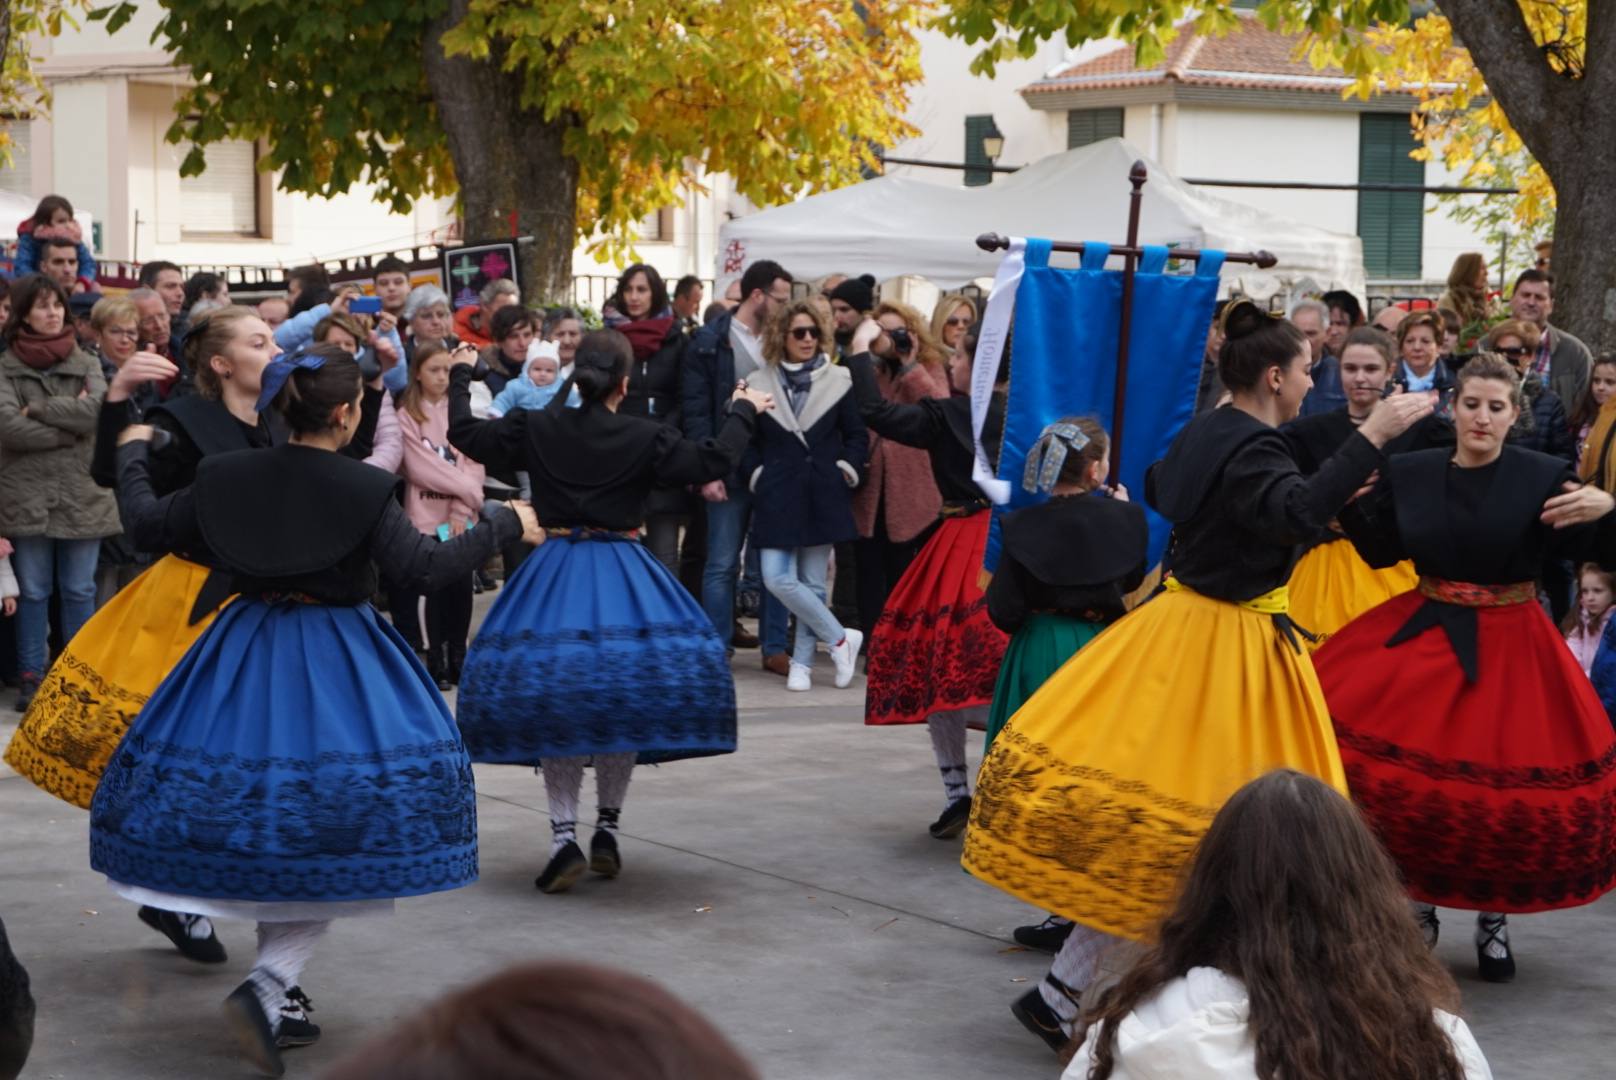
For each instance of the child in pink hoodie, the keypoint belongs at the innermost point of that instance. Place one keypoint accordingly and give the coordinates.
(1585, 624)
(443, 492)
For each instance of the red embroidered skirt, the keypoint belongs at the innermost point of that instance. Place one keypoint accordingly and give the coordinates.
(1496, 795)
(934, 649)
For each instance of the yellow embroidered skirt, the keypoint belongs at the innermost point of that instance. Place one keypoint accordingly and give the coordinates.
(103, 678)
(1093, 797)
(1332, 585)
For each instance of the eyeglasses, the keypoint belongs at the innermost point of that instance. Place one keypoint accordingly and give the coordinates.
(958, 320)
(805, 333)
(1514, 352)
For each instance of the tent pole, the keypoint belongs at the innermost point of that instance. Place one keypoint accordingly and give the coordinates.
(1137, 177)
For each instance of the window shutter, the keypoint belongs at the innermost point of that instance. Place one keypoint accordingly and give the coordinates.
(976, 155)
(223, 201)
(17, 179)
(1390, 223)
(1085, 126)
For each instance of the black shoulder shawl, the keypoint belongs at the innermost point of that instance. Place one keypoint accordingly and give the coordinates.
(1079, 540)
(1179, 483)
(208, 423)
(288, 511)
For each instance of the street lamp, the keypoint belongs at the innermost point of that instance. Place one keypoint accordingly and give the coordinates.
(992, 142)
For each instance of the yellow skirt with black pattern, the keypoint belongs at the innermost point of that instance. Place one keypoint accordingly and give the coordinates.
(1093, 797)
(104, 676)
(1332, 585)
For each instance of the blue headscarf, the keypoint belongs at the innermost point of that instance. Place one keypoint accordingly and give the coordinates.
(280, 369)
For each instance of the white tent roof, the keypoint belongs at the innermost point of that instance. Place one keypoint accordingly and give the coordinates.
(895, 226)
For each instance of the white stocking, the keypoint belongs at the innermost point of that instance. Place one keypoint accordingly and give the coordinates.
(563, 779)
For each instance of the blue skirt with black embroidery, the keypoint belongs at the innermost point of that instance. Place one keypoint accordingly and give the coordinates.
(594, 648)
(298, 755)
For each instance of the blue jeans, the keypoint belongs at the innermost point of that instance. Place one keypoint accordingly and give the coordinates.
(726, 531)
(42, 564)
(797, 577)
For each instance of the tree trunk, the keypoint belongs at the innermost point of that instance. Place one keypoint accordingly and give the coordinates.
(1569, 125)
(509, 161)
(1584, 262)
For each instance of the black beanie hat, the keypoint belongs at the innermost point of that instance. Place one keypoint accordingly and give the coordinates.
(857, 293)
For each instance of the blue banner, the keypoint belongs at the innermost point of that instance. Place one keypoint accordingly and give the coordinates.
(1063, 362)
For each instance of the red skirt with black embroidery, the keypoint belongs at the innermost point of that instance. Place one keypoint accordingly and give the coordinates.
(1493, 795)
(934, 649)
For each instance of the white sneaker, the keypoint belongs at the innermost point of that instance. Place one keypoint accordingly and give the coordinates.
(798, 678)
(844, 655)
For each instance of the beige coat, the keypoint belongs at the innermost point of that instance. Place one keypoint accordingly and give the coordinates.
(45, 485)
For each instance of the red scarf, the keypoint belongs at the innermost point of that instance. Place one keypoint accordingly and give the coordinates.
(646, 335)
(41, 351)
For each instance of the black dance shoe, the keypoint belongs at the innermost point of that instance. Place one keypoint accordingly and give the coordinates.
(566, 866)
(206, 950)
(1048, 936)
(1037, 1017)
(1494, 930)
(604, 858)
(251, 1027)
(952, 823)
(296, 1028)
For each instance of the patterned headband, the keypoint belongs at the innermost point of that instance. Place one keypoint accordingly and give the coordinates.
(280, 369)
(1048, 456)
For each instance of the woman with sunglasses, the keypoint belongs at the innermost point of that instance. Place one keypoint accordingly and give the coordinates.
(1543, 425)
(954, 314)
(806, 459)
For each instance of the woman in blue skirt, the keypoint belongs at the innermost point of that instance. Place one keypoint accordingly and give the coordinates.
(594, 651)
(298, 764)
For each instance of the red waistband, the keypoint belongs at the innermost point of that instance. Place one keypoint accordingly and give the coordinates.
(1470, 594)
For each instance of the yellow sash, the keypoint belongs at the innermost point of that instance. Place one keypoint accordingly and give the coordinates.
(1273, 602)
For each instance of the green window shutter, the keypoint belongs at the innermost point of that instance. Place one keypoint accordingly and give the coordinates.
(1391, 224)
(1085, 126)
(976, 128)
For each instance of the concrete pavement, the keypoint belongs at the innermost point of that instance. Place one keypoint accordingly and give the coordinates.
(789, 891)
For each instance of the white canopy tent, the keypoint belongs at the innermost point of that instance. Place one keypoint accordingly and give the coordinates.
(895, 226)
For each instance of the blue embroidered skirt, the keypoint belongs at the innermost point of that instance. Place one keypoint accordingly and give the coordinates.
(299, 754)
(594, 648)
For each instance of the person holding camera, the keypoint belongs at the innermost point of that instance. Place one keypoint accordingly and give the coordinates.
(899, 504)
(934, 652)
(805, 460)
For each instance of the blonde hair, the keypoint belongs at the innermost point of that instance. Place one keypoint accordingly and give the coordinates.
(946, 306)
(208, 337)
(930, 349)
(779, 328)
(113, 309)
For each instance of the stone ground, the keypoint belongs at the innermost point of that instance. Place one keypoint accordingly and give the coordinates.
(789, 891)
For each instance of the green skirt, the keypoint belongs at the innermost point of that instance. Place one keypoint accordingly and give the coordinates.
(1044, 642)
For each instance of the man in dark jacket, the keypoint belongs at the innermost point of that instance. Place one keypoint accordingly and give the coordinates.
(719, 355)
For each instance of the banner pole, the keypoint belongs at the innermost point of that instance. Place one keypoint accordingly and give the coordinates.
(1136, 176)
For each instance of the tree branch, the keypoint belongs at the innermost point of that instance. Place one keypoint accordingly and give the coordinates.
(1539, 103)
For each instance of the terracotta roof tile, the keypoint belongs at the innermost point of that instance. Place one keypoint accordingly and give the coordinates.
(1251, 56)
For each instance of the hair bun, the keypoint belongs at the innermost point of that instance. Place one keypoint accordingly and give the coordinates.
(1243, 318)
